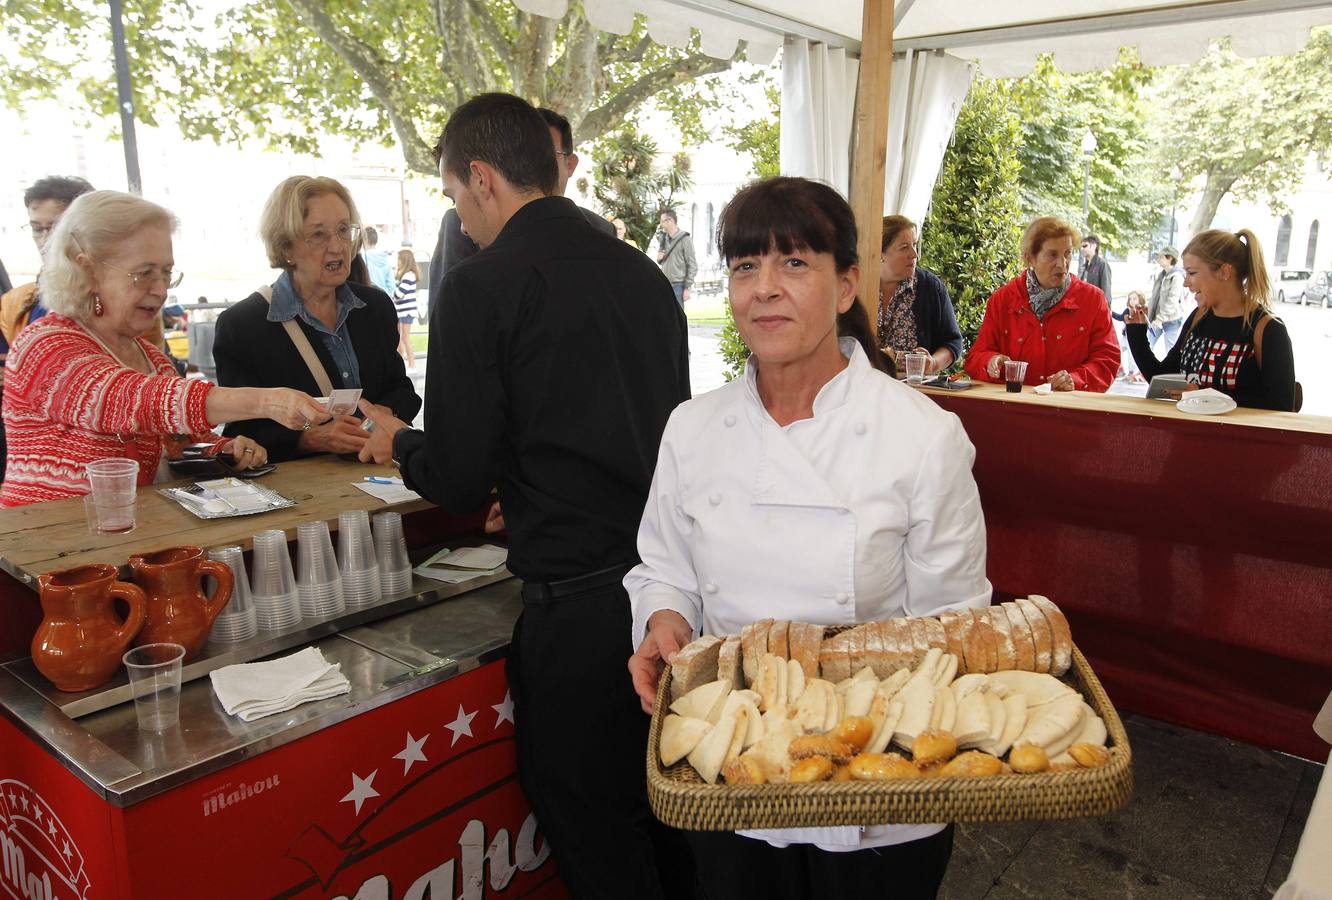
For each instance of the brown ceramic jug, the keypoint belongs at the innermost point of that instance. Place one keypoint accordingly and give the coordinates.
(81, 639)
(178, 611)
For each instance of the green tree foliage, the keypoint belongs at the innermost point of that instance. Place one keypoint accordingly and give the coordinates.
(970, 237)
(629, 185)
(1246, 127)
(290, 70)
(761, 138)
(1128, 191)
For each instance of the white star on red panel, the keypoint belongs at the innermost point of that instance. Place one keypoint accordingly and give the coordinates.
(462, 725)
(362, 790)
(411, 753)
(504, 710)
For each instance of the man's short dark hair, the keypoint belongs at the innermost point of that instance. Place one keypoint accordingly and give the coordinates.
(371, 236)
(670, 214)
(61, 188)
(505, 132)
(1093, 240)
(560, 124)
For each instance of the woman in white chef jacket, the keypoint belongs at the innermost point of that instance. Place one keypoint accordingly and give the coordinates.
(815, 488)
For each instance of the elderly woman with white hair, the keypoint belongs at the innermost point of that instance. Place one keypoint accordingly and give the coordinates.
(83, 384)
(313, 329)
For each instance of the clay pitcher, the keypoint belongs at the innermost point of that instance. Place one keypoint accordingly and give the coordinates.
(178, 611)
(81, 639)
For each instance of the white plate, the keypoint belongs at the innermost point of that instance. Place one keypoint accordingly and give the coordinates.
(1206, 406)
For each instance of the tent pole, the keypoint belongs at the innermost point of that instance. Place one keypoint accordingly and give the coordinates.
(871, 144)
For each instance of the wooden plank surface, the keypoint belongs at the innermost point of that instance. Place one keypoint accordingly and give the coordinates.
(871, 145)
(46, 537)
(1139, 406)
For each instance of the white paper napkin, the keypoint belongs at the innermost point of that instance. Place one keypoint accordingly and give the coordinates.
(254, 690)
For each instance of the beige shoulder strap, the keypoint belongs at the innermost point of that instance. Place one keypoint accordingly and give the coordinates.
(303, 347)
(1258, 338)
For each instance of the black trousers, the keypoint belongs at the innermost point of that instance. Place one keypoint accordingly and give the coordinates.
(732, 867)
(582, 742)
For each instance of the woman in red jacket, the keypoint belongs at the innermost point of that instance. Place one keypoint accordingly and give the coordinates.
(1049, 318)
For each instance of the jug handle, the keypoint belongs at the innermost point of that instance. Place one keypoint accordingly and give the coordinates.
(134, 596)
(226, 580)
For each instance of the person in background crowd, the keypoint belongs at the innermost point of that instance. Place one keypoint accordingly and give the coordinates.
(518, 339)
(310, 232)
(1049, 318)
(1127, 367)
(454, 245)
(404, 302)
(1092, 267)
(1231, 342)
(847, 523)
(377, 263)
(5, 284)
(675, 255)
(85, 384)
(46, 201)
(915, 311)
(622, 232)
(1165, 312)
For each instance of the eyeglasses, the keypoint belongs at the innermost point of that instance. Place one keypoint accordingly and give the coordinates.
(320, 237)
(565, 153)
(146, 278)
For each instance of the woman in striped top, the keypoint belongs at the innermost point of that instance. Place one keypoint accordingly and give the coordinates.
(404, 300)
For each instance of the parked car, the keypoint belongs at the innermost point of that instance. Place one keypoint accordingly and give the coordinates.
(1318, 291)
(1288, 284)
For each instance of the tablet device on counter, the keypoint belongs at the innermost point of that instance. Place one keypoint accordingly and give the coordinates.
(1167, 387)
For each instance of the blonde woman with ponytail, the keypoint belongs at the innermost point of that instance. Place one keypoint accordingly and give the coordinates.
(1231, 342)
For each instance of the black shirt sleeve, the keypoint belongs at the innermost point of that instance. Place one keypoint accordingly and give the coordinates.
(938, 316)
(1275, 388)
(1146, 360)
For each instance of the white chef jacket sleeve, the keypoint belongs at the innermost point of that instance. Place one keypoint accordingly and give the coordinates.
(945, 542)
(666, 577)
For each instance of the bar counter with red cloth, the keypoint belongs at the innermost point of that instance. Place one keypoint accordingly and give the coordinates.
(1193, 557)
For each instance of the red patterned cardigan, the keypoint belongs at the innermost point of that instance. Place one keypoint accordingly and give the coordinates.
(69, 402)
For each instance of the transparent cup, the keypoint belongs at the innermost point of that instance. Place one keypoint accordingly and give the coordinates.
(272, 584)
(113, 487)
(154, 677)
(357, 561)
(1015, 372)
(915, 367)
(318, 582)
(237, 622)
(395, 567)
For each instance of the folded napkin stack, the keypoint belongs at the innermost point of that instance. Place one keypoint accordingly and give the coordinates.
(255, 690)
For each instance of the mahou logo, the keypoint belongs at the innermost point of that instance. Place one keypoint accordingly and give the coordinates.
(40, 859)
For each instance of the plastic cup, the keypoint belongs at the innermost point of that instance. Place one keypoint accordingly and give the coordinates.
(1015, 372)
(154, 677)
(272, 584)
(395, 567)
(318, 582)
(237, 622)
(113, 489)
(357, 562)
(915, 368)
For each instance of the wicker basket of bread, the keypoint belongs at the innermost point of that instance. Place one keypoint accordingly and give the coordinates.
(980, 715)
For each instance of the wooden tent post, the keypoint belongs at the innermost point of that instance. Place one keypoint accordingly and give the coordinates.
(871, 147)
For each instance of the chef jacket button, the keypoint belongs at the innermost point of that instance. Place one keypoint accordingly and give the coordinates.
(729, 420)
(714, 499)
(710, 587)
(1080, 328)
(843, 597)
(861, 428)
(1021, 339)
(1059, 337)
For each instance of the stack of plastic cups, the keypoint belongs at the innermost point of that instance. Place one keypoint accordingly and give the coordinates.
(237, 621)
(273, 587)
(357, 561)
(395, 568)
(318, 582)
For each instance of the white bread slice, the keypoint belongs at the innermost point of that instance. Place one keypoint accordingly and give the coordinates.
(917, 710)
(795, 681)
(883, 734)
(741, 730)
(804, 641)
(973, 719)
(709, 755)
(895, 682)
(812, 707)
(1015, 721)
(1038, 687)
(1047, 729)
(695, 665)
(946, 671)
(968, 684)
(1093, 729)
(753, 721)
(700, 702)
(753, 644)
(679, 736)
(1061, 635)
(860, 696)
(836, 710)
(943, 701)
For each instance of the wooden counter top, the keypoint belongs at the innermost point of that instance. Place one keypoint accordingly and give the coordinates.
(45, 537)
(1140, 406)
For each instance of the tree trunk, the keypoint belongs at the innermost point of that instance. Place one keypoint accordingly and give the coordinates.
(1217, 186)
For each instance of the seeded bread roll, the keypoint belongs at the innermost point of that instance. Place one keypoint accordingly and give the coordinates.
(1023, 642)
(1042, 637)
(1061, 635)
(695, 665)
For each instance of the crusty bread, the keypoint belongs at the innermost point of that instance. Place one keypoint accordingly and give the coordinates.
(753, 645)
(1003, 635)
(804, 641)
(834, 661)
(858, 647)
(973, 645)
(950, 619)
(986, 631)
(920, 644)
(729, 664)
(695, 665)
(1062, 636)
(1042, 637)
(934, 633)
(875, 657)
(777, 639)
(1023, 642)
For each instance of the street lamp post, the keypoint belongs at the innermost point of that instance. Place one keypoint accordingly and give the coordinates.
(1176, 176)
(1088, 148)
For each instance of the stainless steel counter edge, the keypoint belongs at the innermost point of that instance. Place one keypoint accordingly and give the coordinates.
(482, 625)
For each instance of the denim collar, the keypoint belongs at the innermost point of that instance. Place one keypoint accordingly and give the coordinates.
(286, 304)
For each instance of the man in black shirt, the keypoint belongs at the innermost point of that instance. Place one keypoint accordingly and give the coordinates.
(556, 356)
